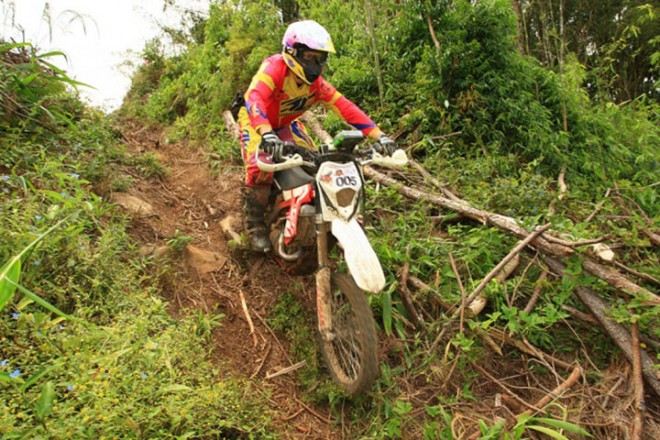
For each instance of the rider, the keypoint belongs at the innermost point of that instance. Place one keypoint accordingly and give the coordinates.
(285, 86)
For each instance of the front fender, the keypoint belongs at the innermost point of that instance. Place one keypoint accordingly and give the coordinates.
(359, 255)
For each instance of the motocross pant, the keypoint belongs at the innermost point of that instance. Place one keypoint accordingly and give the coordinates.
(256, 193)
(250, 139)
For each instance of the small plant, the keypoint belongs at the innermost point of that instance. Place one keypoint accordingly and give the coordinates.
(149, 165)
(179, 241)
(207, 321)
(553, 428)
(122, 183)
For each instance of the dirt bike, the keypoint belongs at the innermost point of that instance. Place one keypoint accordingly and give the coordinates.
(314, 226)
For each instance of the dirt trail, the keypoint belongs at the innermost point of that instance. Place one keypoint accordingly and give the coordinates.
(190, 202)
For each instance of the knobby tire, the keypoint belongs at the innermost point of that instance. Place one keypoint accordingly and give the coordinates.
(351, 357)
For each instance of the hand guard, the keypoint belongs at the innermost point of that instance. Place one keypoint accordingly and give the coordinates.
(273, 145)
(385, 145)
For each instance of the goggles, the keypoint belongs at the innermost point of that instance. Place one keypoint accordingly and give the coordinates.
(308, 55)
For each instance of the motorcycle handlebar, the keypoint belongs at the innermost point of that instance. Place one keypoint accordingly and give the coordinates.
(294, 158)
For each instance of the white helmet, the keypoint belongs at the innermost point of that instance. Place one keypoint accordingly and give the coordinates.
(299, 39)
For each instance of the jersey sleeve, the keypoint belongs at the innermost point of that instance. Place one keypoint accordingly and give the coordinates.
(259, 95)
(351, 113)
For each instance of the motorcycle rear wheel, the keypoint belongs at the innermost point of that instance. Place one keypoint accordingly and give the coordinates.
(351, 356)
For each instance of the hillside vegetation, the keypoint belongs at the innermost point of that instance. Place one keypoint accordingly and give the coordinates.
(498, 103)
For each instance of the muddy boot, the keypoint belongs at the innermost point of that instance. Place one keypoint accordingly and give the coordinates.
(255, 204)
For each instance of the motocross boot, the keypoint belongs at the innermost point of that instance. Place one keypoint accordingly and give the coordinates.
(255, 203)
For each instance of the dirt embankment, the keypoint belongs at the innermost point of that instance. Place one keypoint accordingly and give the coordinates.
(189, 202)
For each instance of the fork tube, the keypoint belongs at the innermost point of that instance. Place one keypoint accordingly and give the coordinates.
(323, 294)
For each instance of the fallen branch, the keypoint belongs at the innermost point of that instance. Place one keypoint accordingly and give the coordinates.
(248, 318)
(638, 383)
(416, 318)
(575, 313)
(286, 370)
(515, 251)
(569, 382)
(642, 276)
(652, 236)
(508, 224)
(506, 389)
(528, 348)
(616, 331)
(599, 206)
(573, 244)
(314, 413)
(272, 333)
(263, 361)
(460, 286)
(537, 292)
(315, 126)
(433, 180)
(421, 285)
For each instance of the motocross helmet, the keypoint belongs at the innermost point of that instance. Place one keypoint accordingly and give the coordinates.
(305, 48)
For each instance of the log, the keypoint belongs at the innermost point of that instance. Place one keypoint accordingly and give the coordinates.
(617, 332)
(230, 123)
(640, 405)
(508, 224)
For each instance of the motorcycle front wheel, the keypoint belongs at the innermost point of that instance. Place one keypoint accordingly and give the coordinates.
(350, 354)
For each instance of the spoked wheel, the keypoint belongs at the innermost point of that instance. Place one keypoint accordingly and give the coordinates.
(350, 355)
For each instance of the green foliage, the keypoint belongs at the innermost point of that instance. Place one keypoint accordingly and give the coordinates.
(34, 91)
(179, 241)
(87, 346)
(191, 92)
(552, 428)
(148, 165)
(289, 318)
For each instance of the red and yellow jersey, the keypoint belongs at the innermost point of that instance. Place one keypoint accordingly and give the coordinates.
(274, 98)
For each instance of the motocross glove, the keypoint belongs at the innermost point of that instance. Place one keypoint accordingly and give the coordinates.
(273, 145)
(385, 145)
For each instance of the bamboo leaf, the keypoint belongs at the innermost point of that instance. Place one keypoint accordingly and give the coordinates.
(9, 275)
(44, 404)
(11, 46)
(46, 305)
(562, 424)
(173, 389)
(11, 271)
(387, 312)
(547, 431)
(36, 376)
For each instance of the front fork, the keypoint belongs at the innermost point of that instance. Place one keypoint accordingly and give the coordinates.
(323, 284)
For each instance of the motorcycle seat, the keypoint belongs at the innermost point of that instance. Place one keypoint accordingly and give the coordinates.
(292, 178)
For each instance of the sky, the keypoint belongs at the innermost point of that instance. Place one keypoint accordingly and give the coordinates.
(97, 48)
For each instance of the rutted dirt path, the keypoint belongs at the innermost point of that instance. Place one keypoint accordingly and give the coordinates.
(189, 201)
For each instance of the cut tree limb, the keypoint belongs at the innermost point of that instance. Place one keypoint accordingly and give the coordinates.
(421, 285)
(416, 318)
(515, 251)
(508, 224)
(231, 124)
(618, 333)
(640, 407)
(569, 382)
(433, 180)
